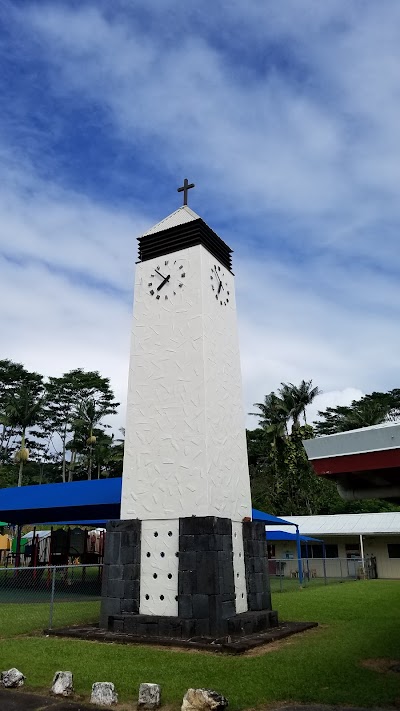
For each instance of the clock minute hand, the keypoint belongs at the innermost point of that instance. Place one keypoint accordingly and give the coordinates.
(220, 287)
(167, 278)
(159, 273)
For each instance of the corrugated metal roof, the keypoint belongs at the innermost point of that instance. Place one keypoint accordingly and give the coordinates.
(348, 524)
(366, 439)
(179, 217)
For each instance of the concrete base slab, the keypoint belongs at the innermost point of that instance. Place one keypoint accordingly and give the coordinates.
(227, 645)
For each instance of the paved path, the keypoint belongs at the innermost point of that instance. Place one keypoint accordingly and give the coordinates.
(20, 701)
(11, 700)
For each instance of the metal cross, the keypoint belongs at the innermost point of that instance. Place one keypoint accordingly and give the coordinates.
(185, 187)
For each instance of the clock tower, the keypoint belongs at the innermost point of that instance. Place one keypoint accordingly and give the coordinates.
(187, 559)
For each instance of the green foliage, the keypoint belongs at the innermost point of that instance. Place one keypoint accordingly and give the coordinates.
(370, 410)
(282, 479)
(357, 621)
(54, 420)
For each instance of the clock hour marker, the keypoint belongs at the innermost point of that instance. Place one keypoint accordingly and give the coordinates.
(152, 292)
(181, 267)
(166, 262)
(180, 285)
(183, 274)
(165, 297)
(150, 283)
(158, 296)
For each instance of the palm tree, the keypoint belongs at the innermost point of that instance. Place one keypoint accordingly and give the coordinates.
(272, 413)
(297, 398)
(89, 416)
(23, 411)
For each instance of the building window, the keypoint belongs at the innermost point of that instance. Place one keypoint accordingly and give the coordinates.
(331, 550)
(317, 551)
(271, 550)
(393, 550)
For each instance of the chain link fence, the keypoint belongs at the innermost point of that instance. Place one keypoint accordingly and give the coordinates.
(285, 574)
(55, 595)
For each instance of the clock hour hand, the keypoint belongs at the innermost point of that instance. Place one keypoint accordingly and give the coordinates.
(167, 278)
(220, 287)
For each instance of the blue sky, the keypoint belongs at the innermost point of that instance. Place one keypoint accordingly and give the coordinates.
(285, 115)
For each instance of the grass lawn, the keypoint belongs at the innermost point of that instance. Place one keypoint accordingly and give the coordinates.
(358, 620)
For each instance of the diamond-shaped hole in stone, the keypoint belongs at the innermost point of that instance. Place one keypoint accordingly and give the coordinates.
(237, 575)
(176, 597)
(169, 576)
(156, 533)
(162, 554)
(170, 533)
(235, 534)
(155, 575)
(148, 555)
(147, 597)
(242, 594)
(161, 597)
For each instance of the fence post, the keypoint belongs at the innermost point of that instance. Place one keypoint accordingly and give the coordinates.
(53, 586)
(324, 564)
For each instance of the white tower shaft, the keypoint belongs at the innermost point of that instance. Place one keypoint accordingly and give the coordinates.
(185, 449)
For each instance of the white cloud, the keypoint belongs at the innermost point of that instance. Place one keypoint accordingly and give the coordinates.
(287, 117)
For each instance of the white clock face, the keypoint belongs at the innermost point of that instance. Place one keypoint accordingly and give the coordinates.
(166, 279)
(219, 285)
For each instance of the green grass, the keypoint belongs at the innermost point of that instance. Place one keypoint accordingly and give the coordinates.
(359, 620)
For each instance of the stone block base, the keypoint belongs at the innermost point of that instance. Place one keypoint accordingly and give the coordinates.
(192, 577)
(244, 624)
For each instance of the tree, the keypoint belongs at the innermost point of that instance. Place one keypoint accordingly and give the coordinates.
(90, 415)
(373, 409)
(12, 376)
(296, 399)
(23, 409)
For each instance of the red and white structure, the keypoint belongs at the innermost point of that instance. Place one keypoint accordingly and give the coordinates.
(364, 463)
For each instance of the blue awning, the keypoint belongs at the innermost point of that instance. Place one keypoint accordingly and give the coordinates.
(270, 520)
(91, 501)
(286, 536)
(85, 502)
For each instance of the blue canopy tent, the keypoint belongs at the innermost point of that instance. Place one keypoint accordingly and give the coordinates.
(286, 536)
(270, 520)
(90, 501)
(86, 502)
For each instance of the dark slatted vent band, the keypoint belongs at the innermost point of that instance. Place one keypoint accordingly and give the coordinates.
(182, 236)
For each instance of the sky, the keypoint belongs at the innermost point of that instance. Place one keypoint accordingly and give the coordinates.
(284, 115)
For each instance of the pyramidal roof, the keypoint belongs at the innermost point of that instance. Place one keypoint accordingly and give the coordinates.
(179, 217)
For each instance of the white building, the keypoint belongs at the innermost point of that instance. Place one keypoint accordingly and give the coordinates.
(347, 538)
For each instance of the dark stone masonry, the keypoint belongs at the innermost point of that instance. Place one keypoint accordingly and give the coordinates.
(206, 587)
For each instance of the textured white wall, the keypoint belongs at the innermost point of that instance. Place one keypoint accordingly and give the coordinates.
(159, 568)
(239, 569)
(185, 449)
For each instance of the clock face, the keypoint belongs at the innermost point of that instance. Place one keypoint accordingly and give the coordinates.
(166, 279)
(219, 286)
